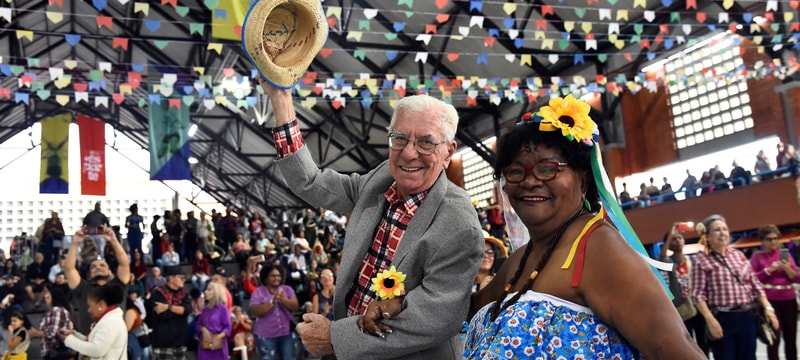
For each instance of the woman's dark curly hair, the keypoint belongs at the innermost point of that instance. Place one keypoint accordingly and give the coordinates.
(266, 269)
(576, 154)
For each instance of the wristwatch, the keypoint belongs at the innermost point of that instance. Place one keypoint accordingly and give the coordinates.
(169, 308)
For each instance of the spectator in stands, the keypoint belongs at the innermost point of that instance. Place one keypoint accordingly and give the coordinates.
(667, 194)
(171, 257)
(739, 176)
(241, 250)
(718, 179)
(138, 266)
(263, 245)
(214, 325)
(494, 213)
(689, 185)
(205, 234)
(301, 243)
(200, 271)
(189, 236)
(791, 159)
(410, 187)
(706, 183)
(725, 289)
(136, 287)
(174, 228)
(779, 158)
(19, 339)
(273, 304)
(228, 225)
(310, 225)
(679, 280)
(155, 243)
(170, 306)
(155, 280)
(777, 270)
(108, 335)
(55, 319)
(94, 222)
(319, 255)
(282, 243)
(134, 223)
(52, 235)
(133, 321)
(494, 254)
(256, 226)
(100, 275)
(61, 283)
(653, 192)
(12, 295)
(242, 332)
(625, 196)
(644, 197)
(12, 269)
(322, 301)
(35, 277)
(298, 260)
(56, 269)
(763, 167)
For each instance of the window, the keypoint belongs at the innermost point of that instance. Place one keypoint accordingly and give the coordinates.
(706, 105)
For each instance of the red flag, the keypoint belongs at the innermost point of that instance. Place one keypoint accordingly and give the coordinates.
(93, 155)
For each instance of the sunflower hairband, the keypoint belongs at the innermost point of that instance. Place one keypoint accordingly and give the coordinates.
(570, 115)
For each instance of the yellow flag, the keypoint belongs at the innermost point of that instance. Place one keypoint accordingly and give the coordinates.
(227, 19)
(53, 173)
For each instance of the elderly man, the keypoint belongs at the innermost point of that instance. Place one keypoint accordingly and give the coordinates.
(170, 305)
(99, 274)
(404, 213)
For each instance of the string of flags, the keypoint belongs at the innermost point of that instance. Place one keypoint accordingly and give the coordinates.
(104, 79)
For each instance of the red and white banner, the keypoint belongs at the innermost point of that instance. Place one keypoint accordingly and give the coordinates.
(93, 155)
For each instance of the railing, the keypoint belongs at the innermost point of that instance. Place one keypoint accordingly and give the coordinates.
(728, 184)
(744, 207)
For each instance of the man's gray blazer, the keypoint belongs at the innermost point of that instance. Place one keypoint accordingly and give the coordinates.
(440, 253)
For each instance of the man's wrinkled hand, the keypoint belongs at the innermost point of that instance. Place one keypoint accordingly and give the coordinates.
(315, 331)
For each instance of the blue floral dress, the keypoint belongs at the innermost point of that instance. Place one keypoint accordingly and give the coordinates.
(542, 326)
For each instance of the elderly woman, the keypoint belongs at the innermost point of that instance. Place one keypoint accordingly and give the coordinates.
(725, 290)
(776, 269)
(577, 288)
(214, 325)
(108, 336)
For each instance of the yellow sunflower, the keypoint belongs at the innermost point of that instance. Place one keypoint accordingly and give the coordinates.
(388, 284)
(569, 115)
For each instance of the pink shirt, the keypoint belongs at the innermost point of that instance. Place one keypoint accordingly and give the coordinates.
(777, 285)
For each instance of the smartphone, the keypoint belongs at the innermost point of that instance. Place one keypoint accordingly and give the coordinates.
(784, 254)
(260, 258)
(92, 230)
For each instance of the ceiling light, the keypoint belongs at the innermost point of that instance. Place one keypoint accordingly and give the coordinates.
(192, 130)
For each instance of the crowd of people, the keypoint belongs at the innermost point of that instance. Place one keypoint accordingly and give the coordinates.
(714, 179)
(417, 266)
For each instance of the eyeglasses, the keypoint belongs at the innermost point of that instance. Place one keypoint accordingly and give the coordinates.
(488, 253)
(424, 145)
(543, 171)
(771, 238)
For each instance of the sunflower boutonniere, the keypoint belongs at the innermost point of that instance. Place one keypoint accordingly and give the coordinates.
(389, 284)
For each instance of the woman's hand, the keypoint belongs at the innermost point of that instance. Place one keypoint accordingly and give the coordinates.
(377, 311)
(773, 320)
(714, 328)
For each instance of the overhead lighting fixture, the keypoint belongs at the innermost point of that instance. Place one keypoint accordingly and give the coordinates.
(192, 130)
(193, 160)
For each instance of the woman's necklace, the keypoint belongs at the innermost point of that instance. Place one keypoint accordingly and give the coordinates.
(499, 306)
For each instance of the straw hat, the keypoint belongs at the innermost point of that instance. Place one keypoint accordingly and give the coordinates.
(282, 37)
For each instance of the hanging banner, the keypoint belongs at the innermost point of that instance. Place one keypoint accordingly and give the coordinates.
(93, 155)
(169, 140)
(227, 19)
(54, 171)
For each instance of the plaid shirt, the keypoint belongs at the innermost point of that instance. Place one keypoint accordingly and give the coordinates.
(289, 140)
(379, 255)
(713, 283)
(53, 321)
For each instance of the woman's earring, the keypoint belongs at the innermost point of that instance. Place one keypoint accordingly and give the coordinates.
(587, 205)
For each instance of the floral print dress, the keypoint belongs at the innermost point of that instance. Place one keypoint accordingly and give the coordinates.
(542, 326)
